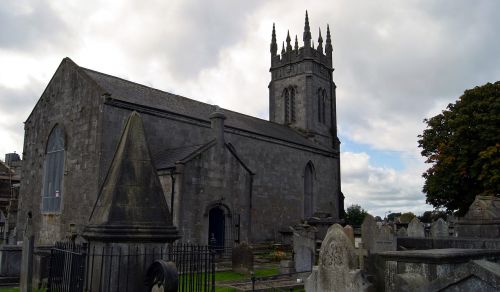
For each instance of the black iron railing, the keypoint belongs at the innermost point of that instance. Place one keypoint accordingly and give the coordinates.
(67, 267)
(116, 268)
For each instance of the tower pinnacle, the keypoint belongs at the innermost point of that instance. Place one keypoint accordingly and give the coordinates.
(274, 46)
(307, 33)
(288, 40)
(328, 46)
(296, 43)
(320, 42)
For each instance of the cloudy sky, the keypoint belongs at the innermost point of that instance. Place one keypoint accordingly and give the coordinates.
(396, 63)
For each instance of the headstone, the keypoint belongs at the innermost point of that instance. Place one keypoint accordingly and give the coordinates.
(384, 240)
(349, 232)
(304, 244)
(416, 228)
(287, 267)
(369, 230)
(439, 228)
(337, 265)
(402, 232)
(482, 219)
(25, 284)
(242, 258)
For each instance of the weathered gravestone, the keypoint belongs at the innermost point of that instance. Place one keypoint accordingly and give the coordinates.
(402, 232)
(337, 269)
(384, 240)
(304, 244)
(482, 219)
(369, 229)
(416, 228)
(439, 228)
(349, 232)
(242, 258)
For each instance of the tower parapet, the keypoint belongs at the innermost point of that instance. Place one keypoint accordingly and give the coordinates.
(290, 56)
(302, 91)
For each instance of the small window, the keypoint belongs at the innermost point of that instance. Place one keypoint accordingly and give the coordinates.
(287, 106)
(289, 99)
(53, 171)
(322, 106)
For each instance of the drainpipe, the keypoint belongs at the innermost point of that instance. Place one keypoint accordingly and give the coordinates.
(172, 178)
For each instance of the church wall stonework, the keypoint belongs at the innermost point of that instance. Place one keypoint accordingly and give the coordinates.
(278, 183)
(70, 102)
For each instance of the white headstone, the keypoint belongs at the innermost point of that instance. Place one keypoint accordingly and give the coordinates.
(439, 228)
(369, 229)
(416, 228)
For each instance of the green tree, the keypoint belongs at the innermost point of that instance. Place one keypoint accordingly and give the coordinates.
(462, 144)
(355, 215)
(431, 216)
(392, 216)
(406, 217)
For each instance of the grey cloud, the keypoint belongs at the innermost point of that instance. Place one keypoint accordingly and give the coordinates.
(204, 29)
(30, 28)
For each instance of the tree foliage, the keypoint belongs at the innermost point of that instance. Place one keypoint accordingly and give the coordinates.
(355, 215)
(406, 217)
(392, 216)
(431, 216)
(462, 144)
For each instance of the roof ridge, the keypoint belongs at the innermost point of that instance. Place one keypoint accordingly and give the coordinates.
(177, 95)
(148, 87)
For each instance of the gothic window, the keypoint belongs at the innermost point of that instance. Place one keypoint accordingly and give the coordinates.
(308, 190)
(322, 106)
(289, 98)
(53, 171)
(287, 106)
(292, 104)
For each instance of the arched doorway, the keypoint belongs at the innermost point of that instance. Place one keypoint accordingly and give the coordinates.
(216, 226)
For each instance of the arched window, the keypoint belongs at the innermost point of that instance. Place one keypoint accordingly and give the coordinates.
(289, 98)
(53, 171)
(287, 105)
(322, 106)
(308, 190)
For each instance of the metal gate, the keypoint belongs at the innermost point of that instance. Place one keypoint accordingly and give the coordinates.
(67, 267)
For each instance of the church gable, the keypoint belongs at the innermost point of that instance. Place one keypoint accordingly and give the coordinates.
(214, 179)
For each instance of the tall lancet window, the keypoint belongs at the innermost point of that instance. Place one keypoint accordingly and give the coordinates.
(53, 171)
(308, 190)
(289, 98)
(322, 106)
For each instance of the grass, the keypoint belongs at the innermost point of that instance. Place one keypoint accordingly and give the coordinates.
(219, 276)
(233, 276)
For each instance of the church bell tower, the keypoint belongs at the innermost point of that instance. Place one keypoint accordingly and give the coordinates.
(302, 91)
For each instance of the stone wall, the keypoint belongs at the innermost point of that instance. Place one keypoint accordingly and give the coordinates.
(278, 183)
(72, 102)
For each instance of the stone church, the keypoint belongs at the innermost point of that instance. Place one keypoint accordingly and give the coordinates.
(225, 175)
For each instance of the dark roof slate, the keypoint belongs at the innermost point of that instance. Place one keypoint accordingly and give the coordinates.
(167, 158)
(140, 94)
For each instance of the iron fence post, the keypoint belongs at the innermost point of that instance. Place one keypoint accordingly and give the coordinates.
(49, 284)
(253, 281)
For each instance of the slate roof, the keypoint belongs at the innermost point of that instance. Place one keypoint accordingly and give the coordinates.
(143, 95)
(167, 158)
